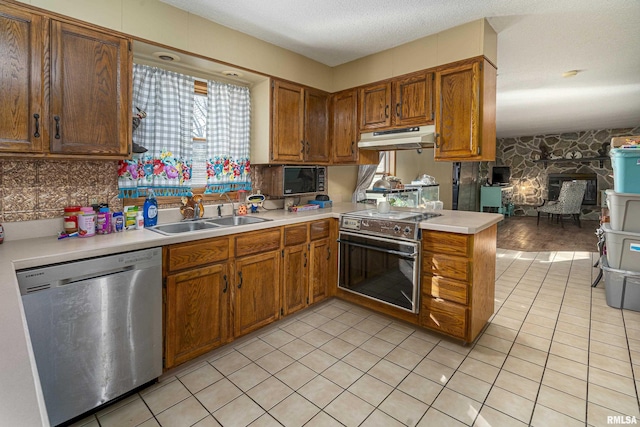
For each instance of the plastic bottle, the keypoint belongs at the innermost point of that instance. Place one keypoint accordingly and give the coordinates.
(139, 221)
(118, 222)
(150, 210)
(103, 223)
(87, 222)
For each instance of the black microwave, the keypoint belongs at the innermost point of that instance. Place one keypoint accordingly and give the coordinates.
(284, 181)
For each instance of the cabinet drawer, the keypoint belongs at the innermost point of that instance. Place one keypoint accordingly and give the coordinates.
(447, 243)
(320, 229)
(448, 317)
(187, 255)
(257, 242)
(442, 287)
(295, 234)
(451, 267)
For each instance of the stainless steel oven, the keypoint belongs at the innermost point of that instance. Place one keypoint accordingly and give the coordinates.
(379, 256)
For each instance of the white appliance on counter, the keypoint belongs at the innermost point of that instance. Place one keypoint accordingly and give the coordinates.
(95, 327)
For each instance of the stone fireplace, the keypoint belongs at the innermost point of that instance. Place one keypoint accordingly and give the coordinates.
(534, 160)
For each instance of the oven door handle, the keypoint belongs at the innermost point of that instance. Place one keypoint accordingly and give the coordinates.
(376, 248)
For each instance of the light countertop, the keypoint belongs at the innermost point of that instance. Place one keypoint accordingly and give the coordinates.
(21, 401)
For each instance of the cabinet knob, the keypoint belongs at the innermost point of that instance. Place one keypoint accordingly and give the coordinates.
(353, 143)
(226, 284)
(436, 136)
(305, 259)
(240, 277)
(386, 111)
(398, 112)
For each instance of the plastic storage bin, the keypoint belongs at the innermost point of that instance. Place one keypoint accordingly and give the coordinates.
(622, 288)
(623, 249)
(624, 211)
(626, 170)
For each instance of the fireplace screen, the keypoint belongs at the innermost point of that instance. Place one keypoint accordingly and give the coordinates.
(555, 181)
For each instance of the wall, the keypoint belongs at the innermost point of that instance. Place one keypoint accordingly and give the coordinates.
(529, 177)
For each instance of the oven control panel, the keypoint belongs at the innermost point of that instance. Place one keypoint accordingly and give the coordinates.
(380, 227)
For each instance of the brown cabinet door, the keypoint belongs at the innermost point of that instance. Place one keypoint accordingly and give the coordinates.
(413, 100)
(316, 126)
(287, 128)
(295, 279)
(90, 92)
(344, 130)
(457, 112)
(321, 270)
(196, 312)
(375, 105)
(257, 292)
(22, 118)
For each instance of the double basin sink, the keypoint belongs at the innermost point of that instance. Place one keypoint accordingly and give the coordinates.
(205, 224)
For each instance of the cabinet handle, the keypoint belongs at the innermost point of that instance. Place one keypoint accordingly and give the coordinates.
(436, 136)
(57, 119)
(240, 276)
(302, 149)
(386, 111)
(37, 132)
(305, 259)
(307, 148)
(328, 252)
(353, 143)
(398, 110)
(226, 284)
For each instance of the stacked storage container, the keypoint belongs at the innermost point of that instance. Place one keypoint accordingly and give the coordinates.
(622, 234)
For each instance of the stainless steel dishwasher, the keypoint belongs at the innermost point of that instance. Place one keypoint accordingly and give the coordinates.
(95, 327)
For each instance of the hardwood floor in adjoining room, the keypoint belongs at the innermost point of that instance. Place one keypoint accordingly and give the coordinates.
(522, 234)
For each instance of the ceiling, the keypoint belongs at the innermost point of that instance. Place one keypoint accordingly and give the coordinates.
(538, 40)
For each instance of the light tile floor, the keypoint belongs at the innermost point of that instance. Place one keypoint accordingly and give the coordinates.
(554, 354)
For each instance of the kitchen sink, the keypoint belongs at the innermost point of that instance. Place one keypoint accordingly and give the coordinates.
(236, 220)
(182, 227)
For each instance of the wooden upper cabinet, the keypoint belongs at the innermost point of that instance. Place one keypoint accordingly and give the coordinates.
(316, 126)
(399, 102)
(22, 115)
(413, 100)
(300, 124)
(287, 127)
(90, 91)
(375, 106)
(344, 130)
(65, 89)
(465, 111)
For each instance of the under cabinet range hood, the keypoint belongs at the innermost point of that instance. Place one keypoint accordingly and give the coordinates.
(398, 139)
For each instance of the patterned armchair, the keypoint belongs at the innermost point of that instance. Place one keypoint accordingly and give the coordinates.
(569, 202)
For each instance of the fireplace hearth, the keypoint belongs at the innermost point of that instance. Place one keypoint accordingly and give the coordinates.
(555, 180)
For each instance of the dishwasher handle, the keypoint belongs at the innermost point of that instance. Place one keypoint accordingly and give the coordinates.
(92, 276)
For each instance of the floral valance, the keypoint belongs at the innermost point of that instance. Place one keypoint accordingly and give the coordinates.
(168, 175)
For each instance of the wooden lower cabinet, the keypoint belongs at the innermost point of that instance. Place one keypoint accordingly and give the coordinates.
(257, 292)
(458, 282)
(295, 278)
(321, 269)
(196, 313)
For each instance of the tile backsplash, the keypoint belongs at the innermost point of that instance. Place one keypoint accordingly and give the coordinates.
(40, 189)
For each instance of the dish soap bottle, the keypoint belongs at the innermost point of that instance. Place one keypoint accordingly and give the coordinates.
(150, 210)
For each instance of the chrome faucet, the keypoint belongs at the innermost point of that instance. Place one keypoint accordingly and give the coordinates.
(233, 211)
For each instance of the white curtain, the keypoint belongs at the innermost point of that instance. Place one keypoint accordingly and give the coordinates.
(228, 120)
(365, 176)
